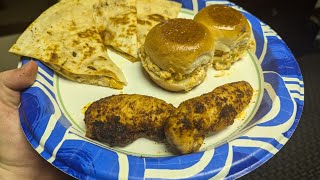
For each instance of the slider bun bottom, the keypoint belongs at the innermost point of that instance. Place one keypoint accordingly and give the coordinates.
(196, 78)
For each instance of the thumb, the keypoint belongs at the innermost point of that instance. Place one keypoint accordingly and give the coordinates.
(19, 79)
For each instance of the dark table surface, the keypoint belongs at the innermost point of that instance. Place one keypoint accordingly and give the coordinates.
(300, 157)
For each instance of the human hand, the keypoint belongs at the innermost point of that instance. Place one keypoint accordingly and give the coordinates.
(18, 160)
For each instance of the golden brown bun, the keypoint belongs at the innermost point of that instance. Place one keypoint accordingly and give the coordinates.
(176, 45)
(227, 25)
(177, 54)
(231, 31)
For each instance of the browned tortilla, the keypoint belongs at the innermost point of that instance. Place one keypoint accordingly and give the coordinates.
(66, 39)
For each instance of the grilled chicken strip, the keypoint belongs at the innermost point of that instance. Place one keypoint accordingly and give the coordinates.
(120, 119)
(194, 118)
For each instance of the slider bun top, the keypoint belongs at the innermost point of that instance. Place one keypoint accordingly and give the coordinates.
(227, 25)
(177, 45)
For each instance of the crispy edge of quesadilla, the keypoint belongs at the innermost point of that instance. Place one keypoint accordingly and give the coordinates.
(101, 76)
(88, 79)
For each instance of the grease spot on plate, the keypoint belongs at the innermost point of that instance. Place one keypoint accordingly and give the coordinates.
(84, 109)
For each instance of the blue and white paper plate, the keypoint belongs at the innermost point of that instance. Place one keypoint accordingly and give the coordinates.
(51, 115)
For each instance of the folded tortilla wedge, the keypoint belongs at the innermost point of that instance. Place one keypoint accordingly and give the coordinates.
(65, 37)
(117, 25)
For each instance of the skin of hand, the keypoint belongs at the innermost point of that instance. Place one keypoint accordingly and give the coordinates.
(18, 160)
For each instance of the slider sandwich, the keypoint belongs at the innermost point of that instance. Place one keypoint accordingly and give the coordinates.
(177, 53)
(231, 31)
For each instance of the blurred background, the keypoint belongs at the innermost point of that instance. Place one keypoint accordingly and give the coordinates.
(297, 22)
(15, 16)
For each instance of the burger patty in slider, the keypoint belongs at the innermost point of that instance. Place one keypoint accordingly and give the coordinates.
(177, 54)
(231, 31)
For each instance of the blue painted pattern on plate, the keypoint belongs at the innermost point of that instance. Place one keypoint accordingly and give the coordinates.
(54, 138)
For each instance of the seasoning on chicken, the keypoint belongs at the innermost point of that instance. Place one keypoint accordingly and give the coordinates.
(121, 119)
(194, 118)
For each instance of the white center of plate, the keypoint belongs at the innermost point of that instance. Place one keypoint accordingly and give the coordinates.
(73, 97)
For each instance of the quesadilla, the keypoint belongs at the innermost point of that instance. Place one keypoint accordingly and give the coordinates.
(117, 25)
(152, 12)
(66, 39)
